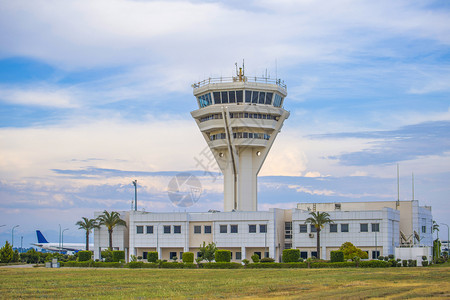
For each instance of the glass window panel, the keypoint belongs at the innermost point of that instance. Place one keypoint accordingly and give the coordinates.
(177, 229)
(248, 96)
(344, 227)
(231, 97)
(364, 227)
(333, 228)
(252, 228)
(263, 228)
(149, 229)
(255, 97)
(224, 97)
(234, 229)
(239, 96)
(223, 228)
(262, 97)
(313, 228)
(139, 229)
(166, 229)
(217, 98)
(375, 227)
(238, 255)
(269, 98)
(207, 229)
(303, 228)
(197, 229)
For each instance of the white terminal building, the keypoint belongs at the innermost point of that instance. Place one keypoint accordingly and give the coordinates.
(240, 117)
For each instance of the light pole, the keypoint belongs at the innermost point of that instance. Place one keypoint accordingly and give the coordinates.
(135, 194)
(21, 244)
(448, 237)
(12, 235)
(59, 241)
(62, 238)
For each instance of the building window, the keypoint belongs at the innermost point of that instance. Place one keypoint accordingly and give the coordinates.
(177, 229)
(375, 254)
(344, 227)
(375, 227)
(424, 229)
(197, 229)
(149, 229)
(144, 255)
(166, 228)
(287, 245)
(287, 225)
(303, 228)
(238, 255)
(172, 255)
(266, 254)
(314, 254)
(262, 228)
(207, 229)
(258, 253)
(139, 229)
(333, 227)
(304, 254)
(313, 228)
(199, 254)
(364, 227)
(223, 228)
(234, 229)
(252, 228)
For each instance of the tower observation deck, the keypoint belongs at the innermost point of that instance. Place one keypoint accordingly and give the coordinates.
(240, 117)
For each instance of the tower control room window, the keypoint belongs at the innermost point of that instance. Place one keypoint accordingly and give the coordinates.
(139, 229)
(278, 100)
(205, 100)
(217, 98)
(239, 96)
(269, 97)
(248, 96)
(231, 97)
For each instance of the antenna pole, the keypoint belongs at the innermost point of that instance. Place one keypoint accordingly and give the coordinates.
(135, 194)
(413, 186)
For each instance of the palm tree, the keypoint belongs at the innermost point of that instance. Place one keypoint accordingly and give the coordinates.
(435, 228)
(111, 220)
(88, 225)
(318, 220)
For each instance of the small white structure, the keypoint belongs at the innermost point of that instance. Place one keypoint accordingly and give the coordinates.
(414, 253)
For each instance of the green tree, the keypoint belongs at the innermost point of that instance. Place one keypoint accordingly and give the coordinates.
(435, 228)
(88, 225)
(318, 220)
(111, 220)
(350, 251)
(6, 253)
(207, 252)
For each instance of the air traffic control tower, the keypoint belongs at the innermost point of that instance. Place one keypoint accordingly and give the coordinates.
(240, 118)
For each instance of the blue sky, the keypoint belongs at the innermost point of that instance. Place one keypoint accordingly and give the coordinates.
(95, 94)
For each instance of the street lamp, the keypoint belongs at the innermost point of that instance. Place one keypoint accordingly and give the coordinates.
(135, 194)
(12, 235)
(448, 236)
(62, 238)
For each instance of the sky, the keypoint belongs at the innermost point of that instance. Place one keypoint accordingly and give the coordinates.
(96, 94)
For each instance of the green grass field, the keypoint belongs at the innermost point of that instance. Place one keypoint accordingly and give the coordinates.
(396, 283)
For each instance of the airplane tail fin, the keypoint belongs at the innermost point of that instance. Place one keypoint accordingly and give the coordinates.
(41, 238)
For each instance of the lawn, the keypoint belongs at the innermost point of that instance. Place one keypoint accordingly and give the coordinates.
(202, 283)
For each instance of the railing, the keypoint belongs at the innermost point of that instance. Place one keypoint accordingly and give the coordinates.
(210, 80)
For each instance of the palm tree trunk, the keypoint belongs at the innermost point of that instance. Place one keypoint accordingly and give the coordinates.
(110, 239)
(318, 243)
(87, 240)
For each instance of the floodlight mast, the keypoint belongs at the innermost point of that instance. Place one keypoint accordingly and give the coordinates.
(239, 118)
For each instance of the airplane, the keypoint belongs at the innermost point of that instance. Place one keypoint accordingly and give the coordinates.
(72, 247)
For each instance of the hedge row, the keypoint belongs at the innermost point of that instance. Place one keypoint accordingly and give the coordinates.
(227, 265)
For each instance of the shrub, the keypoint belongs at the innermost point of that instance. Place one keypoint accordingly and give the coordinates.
(291, 255)
(386, 258)
(374, 264)
(255, 258)
(135, 264)
(345, 264)
(118, 255)
(107, 265)
(152, 256)
(84, 255)
(267, 260)
(380, 257)
(412, 263)
(188, 257)
(404, 263)
(222, 265)
(337, 256)
(223, 255)
(424, 263)
(424, 258)
(351, 251)
(245, 261)
(172, 265)
(107, 255)
(393, 262)
(391, 256)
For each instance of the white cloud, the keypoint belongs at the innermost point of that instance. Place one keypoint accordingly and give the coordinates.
(49, 97)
